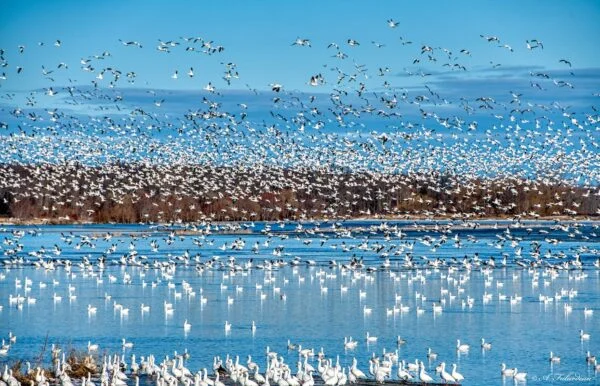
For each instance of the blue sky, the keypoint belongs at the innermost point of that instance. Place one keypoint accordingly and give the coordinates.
(257, 37)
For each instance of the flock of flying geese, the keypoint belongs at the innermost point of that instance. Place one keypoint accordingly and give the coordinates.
(358, 119)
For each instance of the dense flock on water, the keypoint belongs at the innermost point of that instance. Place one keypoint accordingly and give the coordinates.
(400, 140)
(421, 270)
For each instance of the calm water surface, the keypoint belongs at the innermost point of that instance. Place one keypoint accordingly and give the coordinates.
(313, 306)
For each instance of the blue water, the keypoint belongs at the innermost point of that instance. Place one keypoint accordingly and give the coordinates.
(307, 304)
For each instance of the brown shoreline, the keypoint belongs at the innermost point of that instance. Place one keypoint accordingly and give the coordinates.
(7, 221)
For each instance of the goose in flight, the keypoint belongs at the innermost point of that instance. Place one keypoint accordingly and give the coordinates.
(209, 87)
(316, 80)
(301, 42)
(491, 38)
(534, 43)
(565, 61)
(426, 48)
(130, 43)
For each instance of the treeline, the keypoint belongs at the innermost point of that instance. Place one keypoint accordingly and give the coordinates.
(138, 192)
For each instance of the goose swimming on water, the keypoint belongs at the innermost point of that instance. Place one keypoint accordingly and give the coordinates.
(461, 348)
(506, 372)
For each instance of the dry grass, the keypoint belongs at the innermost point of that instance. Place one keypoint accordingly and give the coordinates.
(78, 365)
(25, 378)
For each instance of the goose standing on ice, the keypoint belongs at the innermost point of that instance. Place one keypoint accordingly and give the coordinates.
(456, 375)
(423, 376)
(402, 373)
(351, 377)
(356, 371)
(258, 376)
(446, 377)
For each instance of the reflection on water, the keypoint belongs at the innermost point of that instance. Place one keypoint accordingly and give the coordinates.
(525, 313)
